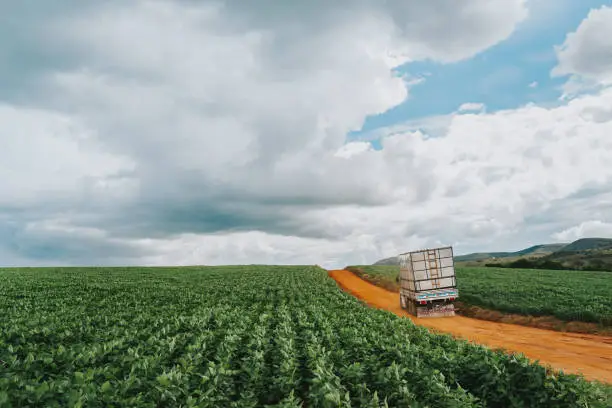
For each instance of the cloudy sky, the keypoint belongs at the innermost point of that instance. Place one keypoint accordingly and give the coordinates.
(332, 133)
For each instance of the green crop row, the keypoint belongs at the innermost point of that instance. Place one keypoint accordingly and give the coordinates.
(241, 337)
(567, 295)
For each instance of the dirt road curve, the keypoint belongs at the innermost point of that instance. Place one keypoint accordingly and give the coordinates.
(589, 355)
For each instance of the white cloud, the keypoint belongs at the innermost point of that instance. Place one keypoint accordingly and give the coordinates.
(263, 248)
(353, 148)
(472, 107)
(592, 228)
(491, 173)
(444, 31)
(282, 92)
(223, 139)
(534, 84)
(586, 54)
(54, 156)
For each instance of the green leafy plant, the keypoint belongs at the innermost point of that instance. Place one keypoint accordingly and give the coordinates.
(242, 336)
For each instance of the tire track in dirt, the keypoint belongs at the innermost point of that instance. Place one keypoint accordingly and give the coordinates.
(589, 355)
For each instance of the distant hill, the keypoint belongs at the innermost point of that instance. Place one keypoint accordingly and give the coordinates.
(544, 249)
(583, 254)
(479, 256)
(593, 254)
(387, 261)
(536, 250)
(586, 244)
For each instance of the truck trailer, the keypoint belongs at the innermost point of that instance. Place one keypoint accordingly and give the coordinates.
(428, 287)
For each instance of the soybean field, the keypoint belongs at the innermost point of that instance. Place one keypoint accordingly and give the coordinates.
(242, 336)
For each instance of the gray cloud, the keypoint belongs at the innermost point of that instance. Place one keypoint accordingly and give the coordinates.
(23, 61)
(58, 243)
(165, 132)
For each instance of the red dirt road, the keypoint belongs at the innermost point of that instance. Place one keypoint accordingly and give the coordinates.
(589, 355)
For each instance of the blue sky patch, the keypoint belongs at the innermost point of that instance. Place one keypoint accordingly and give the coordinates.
(508, 75)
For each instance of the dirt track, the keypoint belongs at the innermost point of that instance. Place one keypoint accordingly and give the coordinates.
(585, 354)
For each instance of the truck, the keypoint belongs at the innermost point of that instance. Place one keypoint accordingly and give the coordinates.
(428, 287)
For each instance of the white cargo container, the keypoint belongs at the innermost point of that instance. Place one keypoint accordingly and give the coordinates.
(427, 282)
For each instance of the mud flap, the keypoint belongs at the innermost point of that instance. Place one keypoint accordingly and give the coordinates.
(403, 301)
(436, 310)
